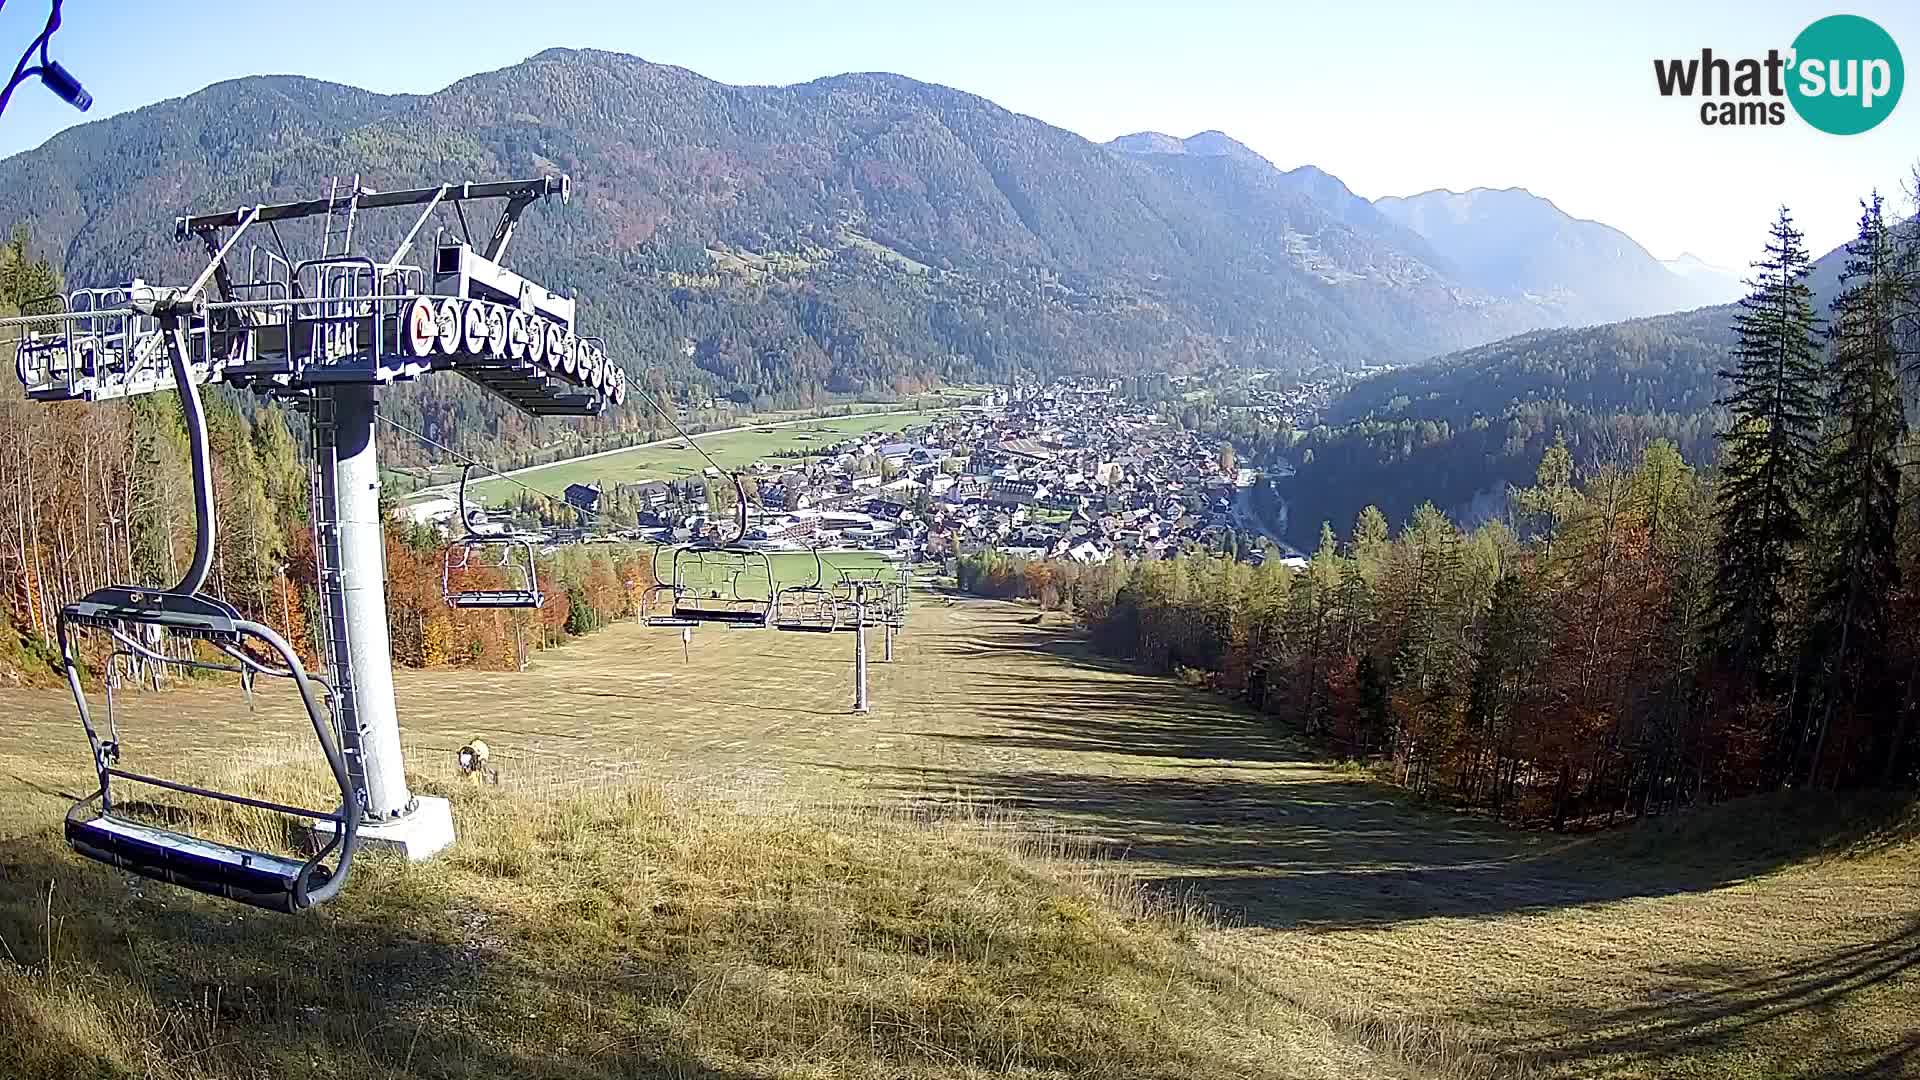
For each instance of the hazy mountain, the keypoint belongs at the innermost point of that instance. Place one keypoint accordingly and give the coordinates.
(1312, 184)
(857, 234)
(1721, 284)
(1514, 243)
(1457, 430)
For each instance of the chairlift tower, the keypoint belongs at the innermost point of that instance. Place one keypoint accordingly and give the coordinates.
(325, 335)
(860, 647)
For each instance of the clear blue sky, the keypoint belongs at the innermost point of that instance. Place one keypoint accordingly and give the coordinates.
(1393, 98)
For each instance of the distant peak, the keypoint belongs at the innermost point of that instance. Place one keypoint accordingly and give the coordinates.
(1214, 141)
(1148, 142)
(1209, 143)
(1471, 194)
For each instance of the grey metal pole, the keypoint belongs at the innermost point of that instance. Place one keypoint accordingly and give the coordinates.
(860, 649)
(357, 611)
(887, 657)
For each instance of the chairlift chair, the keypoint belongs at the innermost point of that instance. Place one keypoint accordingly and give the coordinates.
(512, 556)
(846, 595)
(135, 620)
(98, 827)
(705, 587)
(810, 608)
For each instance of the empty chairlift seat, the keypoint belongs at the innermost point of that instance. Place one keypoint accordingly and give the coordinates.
(512, 560)
(807, 609)
(102, 828)
(729, 586)
(509, 576)
(811, 608)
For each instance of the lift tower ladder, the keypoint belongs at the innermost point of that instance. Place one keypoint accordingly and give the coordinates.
(325, 334)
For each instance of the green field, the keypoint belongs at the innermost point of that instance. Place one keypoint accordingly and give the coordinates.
(675, 459)
(786, 568)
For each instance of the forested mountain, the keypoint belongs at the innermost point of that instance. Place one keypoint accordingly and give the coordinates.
(1515, 244)
(860, 234)
(1460, 430)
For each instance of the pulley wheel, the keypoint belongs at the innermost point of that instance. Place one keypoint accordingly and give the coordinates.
(536, 339)
(422, 327)
(496, 330)
(447, 314)
(474, 327)
(517, 335)
(559, 352)
(591, 371)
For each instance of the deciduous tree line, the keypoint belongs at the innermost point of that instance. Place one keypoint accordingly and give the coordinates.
(1628, 639)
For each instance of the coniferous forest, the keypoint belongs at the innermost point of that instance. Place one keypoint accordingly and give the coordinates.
(1621, 637)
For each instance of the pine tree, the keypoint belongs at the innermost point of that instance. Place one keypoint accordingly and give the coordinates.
(1768, 458)
(1545, 507)
(1857, 493)
(1314, 617)
(25, 281)
(1511, 645)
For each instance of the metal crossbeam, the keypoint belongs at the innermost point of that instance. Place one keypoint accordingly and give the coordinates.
(543, 187)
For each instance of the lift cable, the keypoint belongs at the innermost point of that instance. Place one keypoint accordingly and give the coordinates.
(739, 486)
(585, 516)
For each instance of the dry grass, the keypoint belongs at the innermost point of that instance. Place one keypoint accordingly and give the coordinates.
(1360, 933)
(625, 932)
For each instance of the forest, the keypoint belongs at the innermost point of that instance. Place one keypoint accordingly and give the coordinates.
(1459, 431)
(1620, 638)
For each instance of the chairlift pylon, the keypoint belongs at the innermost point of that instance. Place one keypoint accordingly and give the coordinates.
(513, 556)
(132, 618)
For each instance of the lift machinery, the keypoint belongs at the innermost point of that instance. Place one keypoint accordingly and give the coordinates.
(324, 334)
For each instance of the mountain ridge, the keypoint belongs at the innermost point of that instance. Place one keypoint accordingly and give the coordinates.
(1513, 242)
(861, 233)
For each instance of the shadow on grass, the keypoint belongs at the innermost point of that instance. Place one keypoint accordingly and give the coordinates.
(1786, 1011)
(1304, 849)
(653, 698)
(357, 988)
(1254, 824)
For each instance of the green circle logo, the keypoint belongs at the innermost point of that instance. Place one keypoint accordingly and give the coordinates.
(1846, 74)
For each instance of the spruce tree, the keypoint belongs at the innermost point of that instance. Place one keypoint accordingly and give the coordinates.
(1768, 455)
(1857, 493)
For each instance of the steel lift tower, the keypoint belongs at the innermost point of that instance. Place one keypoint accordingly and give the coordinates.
(325, 335)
